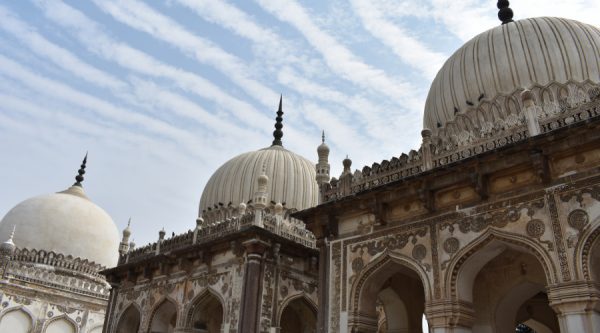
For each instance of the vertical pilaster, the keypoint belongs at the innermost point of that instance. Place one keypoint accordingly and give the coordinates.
(576, 306)
(109, 315)
(323, 286)
(252, 289)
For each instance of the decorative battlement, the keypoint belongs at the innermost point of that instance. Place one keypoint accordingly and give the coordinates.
(57, 271)
(485, 127)
(280, 224)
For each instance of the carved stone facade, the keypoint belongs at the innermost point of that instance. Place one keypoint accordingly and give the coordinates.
(251, 269)
(40, 289)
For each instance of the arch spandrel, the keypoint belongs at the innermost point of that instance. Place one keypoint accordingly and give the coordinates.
(493, 239)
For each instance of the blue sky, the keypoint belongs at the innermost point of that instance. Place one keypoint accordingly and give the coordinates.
(162, 93)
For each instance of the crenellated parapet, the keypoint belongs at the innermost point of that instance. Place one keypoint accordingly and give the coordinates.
(55, 270)
(277, 222)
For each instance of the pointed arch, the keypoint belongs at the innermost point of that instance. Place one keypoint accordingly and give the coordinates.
(26, 319)
(583, 251)
(130, 319)
(368, 284)
(164, 316)
(492, 240)
(201, 299)
(301, 296)
(60, 324)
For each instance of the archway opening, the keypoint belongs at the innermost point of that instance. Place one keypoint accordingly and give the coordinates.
(298, 316)
(507, 286)
(60, 326)
(129, 320)
(17, 321)
(206, 315)
(164, 318)
(392, 300)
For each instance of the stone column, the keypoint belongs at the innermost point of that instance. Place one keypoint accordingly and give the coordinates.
(576, 305)
(323, 286)
(447, 316)
(252, 289)
(109, 315)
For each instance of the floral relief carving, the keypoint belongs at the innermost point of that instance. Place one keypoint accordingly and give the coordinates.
(578, 219)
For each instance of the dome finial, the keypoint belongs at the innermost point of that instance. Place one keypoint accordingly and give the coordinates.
(323, 137)
(81, 171)
(278, 133)
(505, 14)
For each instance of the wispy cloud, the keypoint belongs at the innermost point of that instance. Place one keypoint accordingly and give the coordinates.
(339, 58)
(142, 17)
(405, 46)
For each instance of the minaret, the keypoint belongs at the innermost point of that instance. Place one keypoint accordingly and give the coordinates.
(124, 245)
(323, 165)
(261, 196)
(7, 249)
(322, 168)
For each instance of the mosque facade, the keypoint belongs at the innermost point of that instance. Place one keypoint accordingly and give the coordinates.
(491, 225)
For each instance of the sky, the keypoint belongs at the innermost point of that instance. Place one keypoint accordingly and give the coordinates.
(161, 93)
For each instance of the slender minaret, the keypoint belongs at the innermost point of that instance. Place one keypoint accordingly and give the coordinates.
(323, 165)
(261, 196)
(124, 245)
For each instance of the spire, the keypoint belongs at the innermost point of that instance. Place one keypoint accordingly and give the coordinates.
(81, 172)
(323, 137)
(278, 133)
(505, 14)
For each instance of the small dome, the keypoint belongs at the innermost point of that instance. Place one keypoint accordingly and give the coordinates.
(291, 179)
(66, 222)
(509, 58)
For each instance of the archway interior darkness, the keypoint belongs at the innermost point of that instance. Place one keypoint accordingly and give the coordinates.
(164, 319)
(508, 290)
(15, 321)
(394, 300)
(129, 321)
(207, 315)
(298, 317)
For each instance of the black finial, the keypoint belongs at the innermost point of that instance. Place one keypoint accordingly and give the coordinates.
(505, 14)
(278, 133)
(323, 137)
(81, 172)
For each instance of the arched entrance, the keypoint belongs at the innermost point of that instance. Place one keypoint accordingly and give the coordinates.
(205, 314)
(506, 283)
(129, 322)
(16, 320)
(61, 325)
(164, 318)
(391, 298)
(298, 316)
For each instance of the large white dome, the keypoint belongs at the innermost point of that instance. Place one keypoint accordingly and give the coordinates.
(291, 179)
(504, 60)
(66, 222)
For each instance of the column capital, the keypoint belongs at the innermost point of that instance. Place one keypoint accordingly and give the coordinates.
(256, 246)
(574, 297)
(449, 313)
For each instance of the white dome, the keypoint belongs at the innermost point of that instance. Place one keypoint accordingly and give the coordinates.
(66, 222)
(291, 179)
(509, 58)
